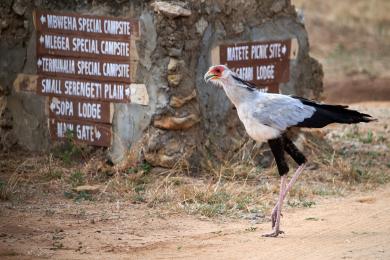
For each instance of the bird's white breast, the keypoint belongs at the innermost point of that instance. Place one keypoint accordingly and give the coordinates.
(256, 130)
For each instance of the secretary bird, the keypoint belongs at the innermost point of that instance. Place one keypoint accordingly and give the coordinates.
(268, 117)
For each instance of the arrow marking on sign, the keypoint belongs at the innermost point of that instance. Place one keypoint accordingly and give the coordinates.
(52, 106)
(98, 135)
(127, 92)
(39, 62)
(43, 19)
(54, 103)
(284, 49)
(41, 39)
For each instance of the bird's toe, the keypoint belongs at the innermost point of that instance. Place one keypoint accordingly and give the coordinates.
(273, 234)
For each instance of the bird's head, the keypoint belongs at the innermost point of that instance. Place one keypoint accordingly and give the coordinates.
(218, 74)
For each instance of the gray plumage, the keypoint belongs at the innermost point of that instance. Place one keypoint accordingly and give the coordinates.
(267, 116)
(280, 111)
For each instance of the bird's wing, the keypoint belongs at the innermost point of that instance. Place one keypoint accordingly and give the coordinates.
(281, 111)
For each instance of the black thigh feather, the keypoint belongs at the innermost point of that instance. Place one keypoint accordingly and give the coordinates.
(293, 151)
(277, 149)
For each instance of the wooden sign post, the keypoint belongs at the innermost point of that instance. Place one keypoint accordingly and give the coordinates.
(265, 64)
(84, 63)
(117, 92)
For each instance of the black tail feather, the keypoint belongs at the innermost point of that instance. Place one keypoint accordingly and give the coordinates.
(326, 114)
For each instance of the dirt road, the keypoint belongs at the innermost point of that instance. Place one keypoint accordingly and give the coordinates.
(357, 227)
(50, 226)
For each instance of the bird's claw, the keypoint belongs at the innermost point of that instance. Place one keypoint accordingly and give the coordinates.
(273, 234)
(275, 231)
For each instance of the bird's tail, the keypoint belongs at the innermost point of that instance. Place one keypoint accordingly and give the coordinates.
(326, 114)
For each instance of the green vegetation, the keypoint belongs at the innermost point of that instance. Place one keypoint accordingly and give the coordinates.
(300, 203)
(312, 219)
(77, 178)
(69, 151)
(251, 229)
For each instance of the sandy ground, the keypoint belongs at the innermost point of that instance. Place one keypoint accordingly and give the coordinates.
(52, 227)
(356, 227)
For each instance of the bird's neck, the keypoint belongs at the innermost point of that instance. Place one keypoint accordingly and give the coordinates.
(238, 95)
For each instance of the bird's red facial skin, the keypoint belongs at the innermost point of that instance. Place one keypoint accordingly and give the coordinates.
(215, 75)
(217, 71)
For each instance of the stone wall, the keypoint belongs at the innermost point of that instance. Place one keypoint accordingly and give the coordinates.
(184, 114)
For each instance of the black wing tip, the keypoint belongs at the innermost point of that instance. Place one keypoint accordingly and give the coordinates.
(362, 116)
(368, 118)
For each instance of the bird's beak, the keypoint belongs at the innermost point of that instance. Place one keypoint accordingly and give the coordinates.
(208, 76)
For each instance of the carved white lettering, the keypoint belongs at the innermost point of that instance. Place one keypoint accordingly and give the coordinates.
(115, 48)
(89, 110)
(116, 70)
(85, 133)
(83, 89)
(259, 51)
(275, 51)
(85, 45)
(245, 73)
(55, 42)
(51, 86)
(117, 27)
(265, 72)
(61, 22)
(88, 68)
(92, 25)
(58, 65)
(64, 108)
(237, 53)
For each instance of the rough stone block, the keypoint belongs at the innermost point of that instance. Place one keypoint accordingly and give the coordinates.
(170, 9)
(176, 123)
(177, 102)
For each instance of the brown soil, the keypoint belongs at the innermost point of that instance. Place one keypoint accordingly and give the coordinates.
(352, 90)
(51, 227)
(353, 227)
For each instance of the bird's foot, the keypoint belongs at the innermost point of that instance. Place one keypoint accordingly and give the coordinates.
(274, 233)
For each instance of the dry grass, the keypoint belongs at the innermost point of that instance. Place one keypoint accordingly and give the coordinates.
(7, 189)
(233, 187)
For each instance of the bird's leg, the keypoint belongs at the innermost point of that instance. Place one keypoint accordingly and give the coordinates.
(276, 228)
(288, 188)
(294, 178)
(277, 148)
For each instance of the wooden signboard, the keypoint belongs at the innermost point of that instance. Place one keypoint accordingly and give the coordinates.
(80, 110)
(118, 92)
(83, 68)
(265, 64)
(85, 132)
(83, 47)
(84, 63)
(86, 25)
